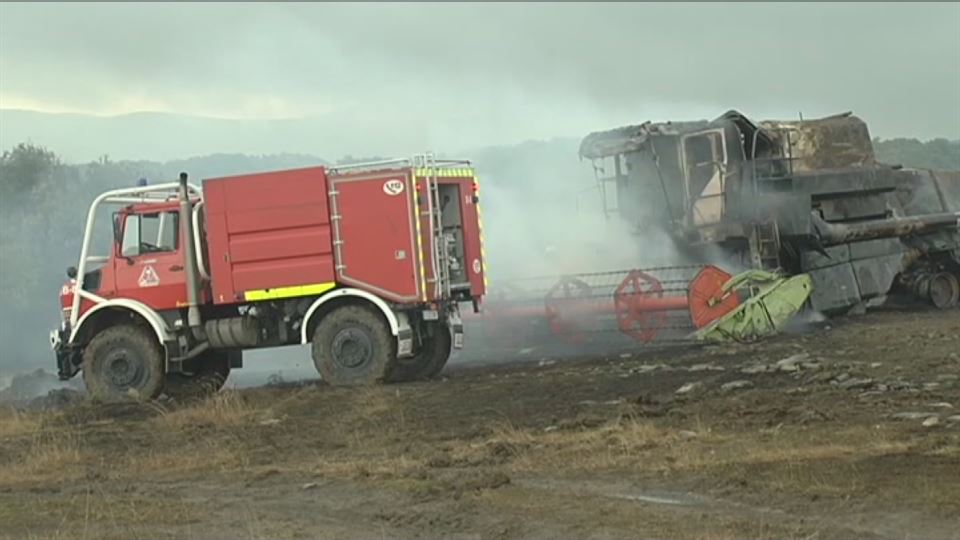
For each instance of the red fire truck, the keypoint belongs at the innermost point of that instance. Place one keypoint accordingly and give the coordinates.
(368, 263)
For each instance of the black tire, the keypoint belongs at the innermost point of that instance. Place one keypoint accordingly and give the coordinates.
(944, 290)
(429, 361)
(442, 361)
(209, 373)
(123, 362)
(352, 346)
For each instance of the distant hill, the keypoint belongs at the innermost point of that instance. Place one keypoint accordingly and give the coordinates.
(79, 138)
(155, 136)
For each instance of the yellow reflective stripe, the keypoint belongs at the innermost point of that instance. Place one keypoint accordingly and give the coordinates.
(483, 251)
(289, 292)
(416, 220)
(465, 172)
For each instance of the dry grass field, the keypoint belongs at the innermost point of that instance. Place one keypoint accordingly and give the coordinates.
(850, 432)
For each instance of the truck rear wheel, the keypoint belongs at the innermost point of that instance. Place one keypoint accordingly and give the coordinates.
(429, 361)
(352, 346)
(123, 362)
(209, 373)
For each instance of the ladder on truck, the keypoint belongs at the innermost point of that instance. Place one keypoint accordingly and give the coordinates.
(441, 256)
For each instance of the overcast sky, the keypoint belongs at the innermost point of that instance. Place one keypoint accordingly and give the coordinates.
(486, 74)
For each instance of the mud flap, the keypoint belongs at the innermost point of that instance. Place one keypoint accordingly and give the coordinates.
(774, 302)
(404, 336)
(456, 328)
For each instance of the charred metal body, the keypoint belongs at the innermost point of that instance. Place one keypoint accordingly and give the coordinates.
(801, 197)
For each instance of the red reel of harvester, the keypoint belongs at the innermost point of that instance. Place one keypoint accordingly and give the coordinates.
(633, 299)
(707, 303)
(564, 305)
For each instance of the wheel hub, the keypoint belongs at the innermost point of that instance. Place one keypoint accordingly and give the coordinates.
(122, 369)
(944, 290)
(352, 348)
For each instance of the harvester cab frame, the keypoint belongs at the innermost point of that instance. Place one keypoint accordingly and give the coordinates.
(703, 155)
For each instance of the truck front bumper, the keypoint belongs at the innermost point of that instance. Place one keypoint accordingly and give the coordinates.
(67, 364)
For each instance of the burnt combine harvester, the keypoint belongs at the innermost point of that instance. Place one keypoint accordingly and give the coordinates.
(801, 209)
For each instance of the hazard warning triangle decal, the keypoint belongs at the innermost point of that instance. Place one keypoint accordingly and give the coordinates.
(149, 277)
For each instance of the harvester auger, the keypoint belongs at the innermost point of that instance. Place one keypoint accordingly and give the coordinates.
(649, 306)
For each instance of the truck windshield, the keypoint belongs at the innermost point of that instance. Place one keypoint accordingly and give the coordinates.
(149, 233)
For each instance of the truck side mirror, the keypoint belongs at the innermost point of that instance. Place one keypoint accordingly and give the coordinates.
(72, 272)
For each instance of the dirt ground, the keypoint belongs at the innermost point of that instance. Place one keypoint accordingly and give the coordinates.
(851, 431)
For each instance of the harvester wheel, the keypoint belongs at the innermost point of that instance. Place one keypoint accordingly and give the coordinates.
(209, 373)
(352, 346)
(944, 290)
(123, 362)
(429, 361)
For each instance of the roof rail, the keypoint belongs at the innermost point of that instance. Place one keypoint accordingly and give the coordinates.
(420, 160)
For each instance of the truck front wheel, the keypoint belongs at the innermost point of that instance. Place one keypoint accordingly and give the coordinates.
(429, 360)
(209, 373)
(352, 346)
(123, 362)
